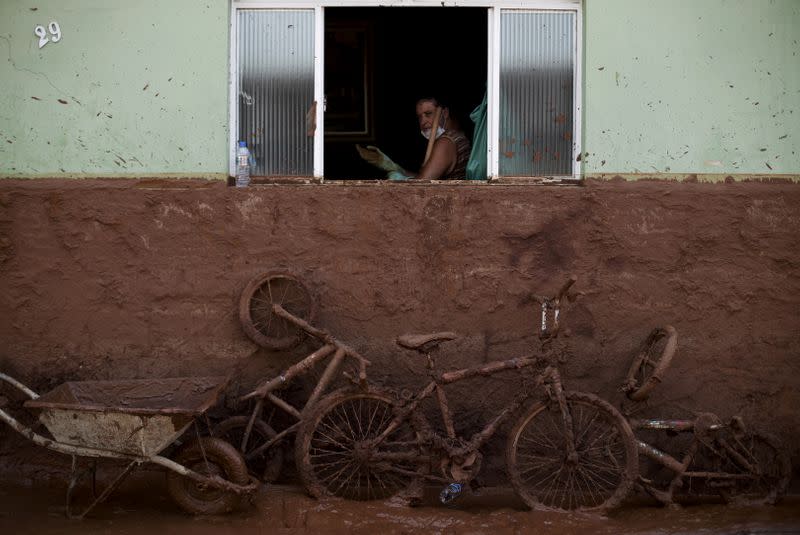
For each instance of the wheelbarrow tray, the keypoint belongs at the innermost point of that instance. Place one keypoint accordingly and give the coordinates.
(136, 417)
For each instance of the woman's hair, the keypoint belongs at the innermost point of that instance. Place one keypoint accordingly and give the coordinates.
(435, 101)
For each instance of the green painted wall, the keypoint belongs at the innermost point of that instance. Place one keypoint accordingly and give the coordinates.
(133, 88)
(141, 88)
(688, 86)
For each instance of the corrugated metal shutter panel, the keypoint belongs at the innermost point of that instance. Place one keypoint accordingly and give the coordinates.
(276, 89)
(537, 62)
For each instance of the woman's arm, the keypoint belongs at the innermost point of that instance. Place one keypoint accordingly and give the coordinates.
(441, 162)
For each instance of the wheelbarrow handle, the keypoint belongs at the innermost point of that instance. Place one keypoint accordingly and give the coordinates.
(214, 480)
(19, 386)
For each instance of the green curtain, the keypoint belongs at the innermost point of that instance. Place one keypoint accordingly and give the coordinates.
(476, 166)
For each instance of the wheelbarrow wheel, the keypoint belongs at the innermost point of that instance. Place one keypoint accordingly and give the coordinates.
(267, 466)
(207, 456)
(255, 309)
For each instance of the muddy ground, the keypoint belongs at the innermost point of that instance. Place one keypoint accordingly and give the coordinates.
(105, 279)
(141, 506)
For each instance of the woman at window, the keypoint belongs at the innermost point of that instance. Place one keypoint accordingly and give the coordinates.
(447, 154)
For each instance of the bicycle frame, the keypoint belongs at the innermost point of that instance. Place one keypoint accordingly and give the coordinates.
(265, 390)
(679, 467)
(742, 463)
(549, 376)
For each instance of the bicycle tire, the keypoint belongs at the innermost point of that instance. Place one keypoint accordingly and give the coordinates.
(258, 320)
(607, 463)
(772, 474)
(207, 456)
(267, 466)
(329, 454)
(647, 369)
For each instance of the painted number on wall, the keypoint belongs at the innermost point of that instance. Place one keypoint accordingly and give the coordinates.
(41, 33)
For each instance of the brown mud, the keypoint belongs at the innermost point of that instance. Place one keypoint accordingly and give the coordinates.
(141, 506)
(125, 279)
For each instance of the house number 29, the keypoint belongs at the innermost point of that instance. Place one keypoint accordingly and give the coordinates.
(41, 33)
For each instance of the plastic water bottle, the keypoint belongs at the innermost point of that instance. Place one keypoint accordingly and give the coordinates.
(450, 492)
(242, 165)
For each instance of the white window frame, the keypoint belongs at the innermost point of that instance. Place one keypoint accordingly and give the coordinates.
(492, 68)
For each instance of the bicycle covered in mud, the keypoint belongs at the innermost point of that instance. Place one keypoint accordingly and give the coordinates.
(275, 310)
(718, 458)
(566, 451)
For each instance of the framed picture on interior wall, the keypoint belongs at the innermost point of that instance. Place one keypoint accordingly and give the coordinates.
(348, 81)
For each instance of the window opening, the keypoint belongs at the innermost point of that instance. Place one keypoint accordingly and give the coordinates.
(411, 52)
(379, 61)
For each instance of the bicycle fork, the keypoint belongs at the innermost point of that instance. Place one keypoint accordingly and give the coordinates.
(557, 391)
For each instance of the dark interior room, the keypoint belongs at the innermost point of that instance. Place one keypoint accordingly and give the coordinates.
(379, 61)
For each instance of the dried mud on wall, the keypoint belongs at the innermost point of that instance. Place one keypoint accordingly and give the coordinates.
(132, 279)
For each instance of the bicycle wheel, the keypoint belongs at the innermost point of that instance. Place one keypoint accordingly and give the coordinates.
(334, 455)
(255, 309)
(545, 477)
(267, 466)
(760, 467)
(651, 363)
(210, 457)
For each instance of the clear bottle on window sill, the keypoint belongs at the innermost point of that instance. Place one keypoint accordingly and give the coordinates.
(243, 160)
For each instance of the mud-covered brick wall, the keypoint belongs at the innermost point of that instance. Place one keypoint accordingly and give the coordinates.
(126, 279)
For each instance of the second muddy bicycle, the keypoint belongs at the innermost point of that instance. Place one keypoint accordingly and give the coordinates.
(716, 458)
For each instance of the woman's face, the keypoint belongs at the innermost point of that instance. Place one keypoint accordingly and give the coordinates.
(426, 109)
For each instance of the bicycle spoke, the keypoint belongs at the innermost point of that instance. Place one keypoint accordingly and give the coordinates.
(345, 419)
(332, 438)
(356, 471)
(596, 480)
(544, 440)
(550, 486)
(596, 493)
(331, 479)
(535, 475)
(387, 480)
(333, 462)
(380, 426)
(544, 471)
(330, 460)
(286, 288)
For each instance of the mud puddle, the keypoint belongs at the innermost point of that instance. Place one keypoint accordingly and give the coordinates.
(142, 507)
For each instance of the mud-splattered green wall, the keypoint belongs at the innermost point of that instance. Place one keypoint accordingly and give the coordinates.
(131, 88)
(692, 87)
(141, 88)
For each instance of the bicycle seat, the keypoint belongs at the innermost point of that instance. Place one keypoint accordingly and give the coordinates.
(424, 342)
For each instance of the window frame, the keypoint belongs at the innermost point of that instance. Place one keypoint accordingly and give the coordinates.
(494, 14)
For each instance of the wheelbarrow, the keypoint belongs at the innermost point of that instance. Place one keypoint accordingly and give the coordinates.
(135, 421)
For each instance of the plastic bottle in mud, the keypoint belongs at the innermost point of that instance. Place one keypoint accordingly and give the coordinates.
(450, 492)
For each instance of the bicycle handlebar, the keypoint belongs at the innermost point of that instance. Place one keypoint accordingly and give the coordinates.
(553, 303)
(325, 336)
(331, 344)
(561, 292)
